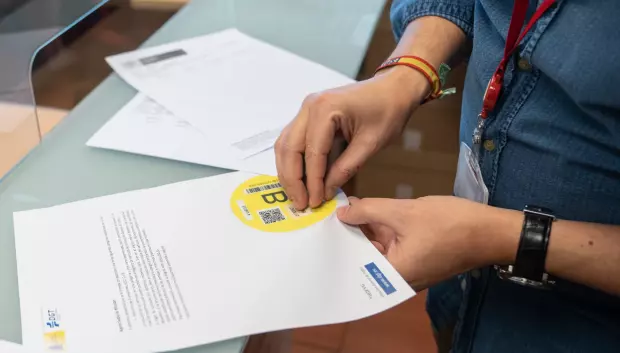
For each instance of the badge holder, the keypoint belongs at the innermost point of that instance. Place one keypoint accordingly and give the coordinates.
(469, 183)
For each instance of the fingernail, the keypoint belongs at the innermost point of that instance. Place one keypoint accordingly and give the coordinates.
(352, 198)
(316, 203)
(340, 212)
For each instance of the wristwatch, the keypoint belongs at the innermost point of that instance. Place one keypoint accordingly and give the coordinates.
(529, 267)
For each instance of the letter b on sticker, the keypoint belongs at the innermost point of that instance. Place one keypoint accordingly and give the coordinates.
(274, 197)
(266, 195)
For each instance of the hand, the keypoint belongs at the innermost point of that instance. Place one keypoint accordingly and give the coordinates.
(367, 114)
(431, 239)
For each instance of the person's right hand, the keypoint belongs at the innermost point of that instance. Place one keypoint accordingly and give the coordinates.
(368, 114)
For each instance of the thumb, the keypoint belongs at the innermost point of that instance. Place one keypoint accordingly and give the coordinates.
(365, 211)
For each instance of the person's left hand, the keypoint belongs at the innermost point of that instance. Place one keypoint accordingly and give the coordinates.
(431, 239)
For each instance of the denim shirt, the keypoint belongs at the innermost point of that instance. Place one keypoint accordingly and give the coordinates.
(556, 144)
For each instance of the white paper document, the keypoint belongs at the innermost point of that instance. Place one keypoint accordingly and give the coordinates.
(10, 347)
(145, 127)
(227, 84)
(192, 263)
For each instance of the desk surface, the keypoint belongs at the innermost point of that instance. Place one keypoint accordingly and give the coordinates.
(62, 169)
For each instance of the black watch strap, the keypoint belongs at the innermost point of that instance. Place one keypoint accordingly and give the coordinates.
(532, 252)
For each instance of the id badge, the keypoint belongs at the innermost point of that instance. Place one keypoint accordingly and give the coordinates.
(469, 184)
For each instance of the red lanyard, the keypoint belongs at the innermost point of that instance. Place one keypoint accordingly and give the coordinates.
(519, 11)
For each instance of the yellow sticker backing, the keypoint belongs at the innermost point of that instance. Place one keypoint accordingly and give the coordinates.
(262, 204)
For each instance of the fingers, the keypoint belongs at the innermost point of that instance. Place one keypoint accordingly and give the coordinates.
(384, 235)
(347, 165)
(308, 139)
(381, 236)
(289, 149)
(379, 246)
(319, 139)
(387, 212)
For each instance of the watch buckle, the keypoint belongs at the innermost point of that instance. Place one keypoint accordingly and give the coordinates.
(506, 273)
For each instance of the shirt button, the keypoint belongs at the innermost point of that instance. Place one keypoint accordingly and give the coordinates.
(524, 65)
(489, 145)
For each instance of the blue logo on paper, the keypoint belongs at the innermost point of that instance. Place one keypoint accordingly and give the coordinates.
(52, 319)
(383, 282)
(52, 324)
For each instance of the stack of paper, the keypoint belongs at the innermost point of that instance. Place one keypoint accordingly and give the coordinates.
(192, 263)
(220, 99)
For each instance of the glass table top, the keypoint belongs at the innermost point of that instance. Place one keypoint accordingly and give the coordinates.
(61, 168)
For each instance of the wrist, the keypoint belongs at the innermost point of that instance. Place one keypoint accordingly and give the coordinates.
(406, 87)
(497, 235)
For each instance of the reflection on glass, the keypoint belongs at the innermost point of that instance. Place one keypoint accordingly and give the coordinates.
(26, 26)
(73, 64)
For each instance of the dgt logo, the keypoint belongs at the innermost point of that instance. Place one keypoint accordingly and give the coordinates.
(274, 197)
(52, 319)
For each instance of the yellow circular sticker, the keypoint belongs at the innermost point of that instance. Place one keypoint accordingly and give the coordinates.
(262, 204)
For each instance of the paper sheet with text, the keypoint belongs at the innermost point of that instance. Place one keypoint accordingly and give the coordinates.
(230, 86)
(192, 263)
(145, 127)
(10, 347)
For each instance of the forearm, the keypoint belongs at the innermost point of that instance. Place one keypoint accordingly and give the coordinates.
(585, 253)
(434, 39)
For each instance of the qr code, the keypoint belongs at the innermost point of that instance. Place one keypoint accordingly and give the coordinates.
(271, 215)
